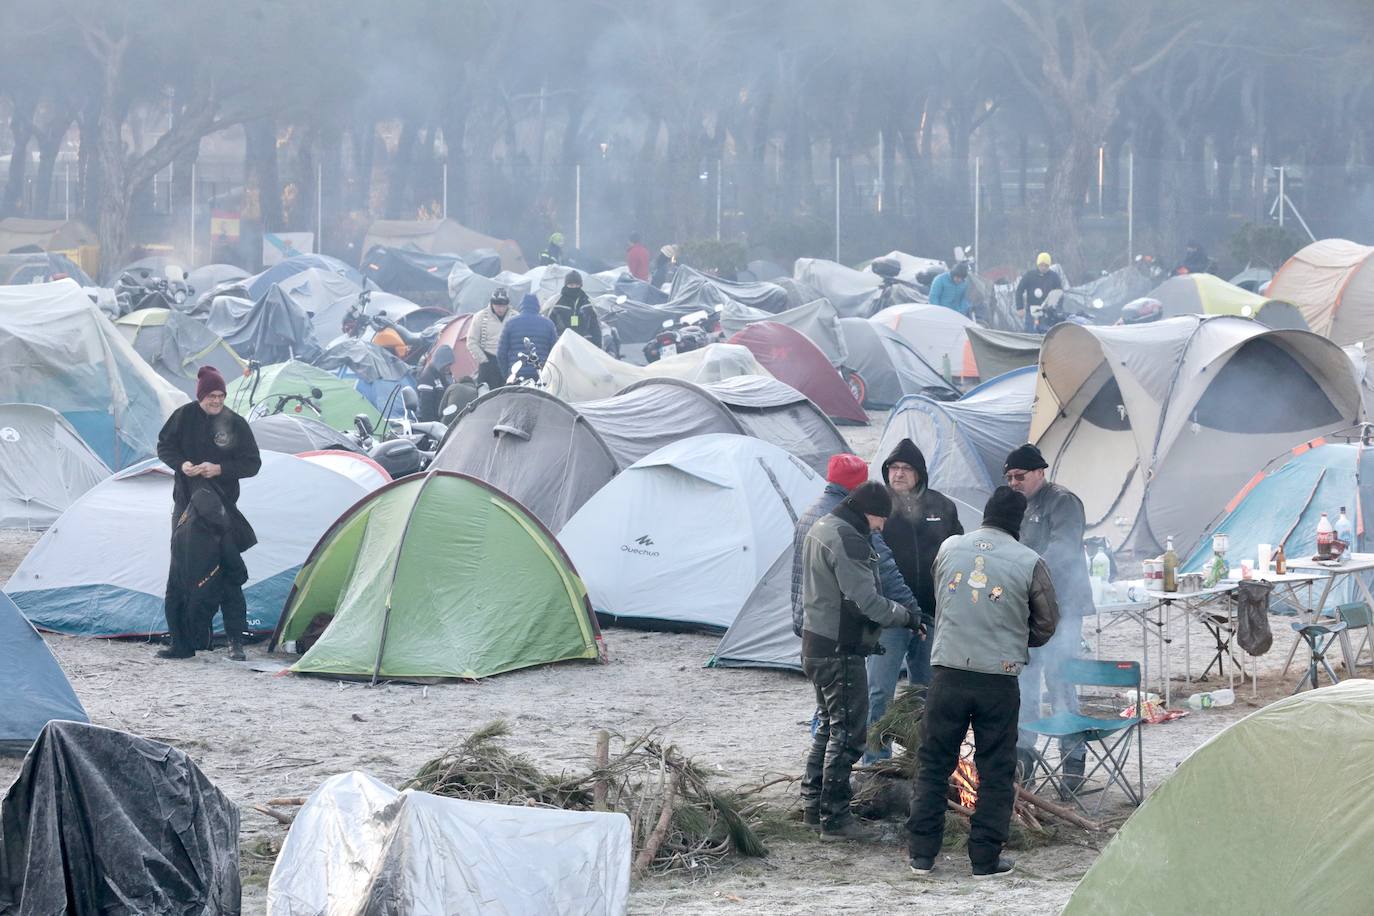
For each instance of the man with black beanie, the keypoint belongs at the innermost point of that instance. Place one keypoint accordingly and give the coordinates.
(995, 601)
(574, 310)
(843, 611)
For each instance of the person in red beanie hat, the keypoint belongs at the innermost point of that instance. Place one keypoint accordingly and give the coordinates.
(209, 447)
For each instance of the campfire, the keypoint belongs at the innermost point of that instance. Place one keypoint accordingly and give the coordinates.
(965, 781)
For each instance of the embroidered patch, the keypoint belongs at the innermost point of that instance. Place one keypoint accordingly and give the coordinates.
(996, 593)
(979, 577)
(1011, 667)
(982, 545)
(222, 438)
(954, 583)
(973, 596)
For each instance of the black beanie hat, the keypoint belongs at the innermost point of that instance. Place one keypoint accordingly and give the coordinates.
(1004, 510)
(1024, 458)
(870, 499)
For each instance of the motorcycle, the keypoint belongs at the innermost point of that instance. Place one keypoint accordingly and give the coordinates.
(308, 405)
(407, 445)
(894, 290)
(1053, 311)
(527, 368)
(141, 289)
(683, 335)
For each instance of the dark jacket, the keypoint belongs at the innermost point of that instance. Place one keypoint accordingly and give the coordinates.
(1054, 527)
(191, 434)
(573, 303)
(891, 583)
(1035, 287)
(843, 611)
(529, 323)
(205, 561)
(916, 530)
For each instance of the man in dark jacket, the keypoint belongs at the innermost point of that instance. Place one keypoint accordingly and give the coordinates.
(921, 520)
(529, 323)
(995, 602)
(1054, 528)
(842, 611)
(206, 443)
(207, 573)
(573, 310)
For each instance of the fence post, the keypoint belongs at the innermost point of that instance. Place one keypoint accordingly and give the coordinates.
(1282, 198)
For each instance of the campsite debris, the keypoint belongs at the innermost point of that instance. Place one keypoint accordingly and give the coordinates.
(679, 822)
(602, 758)
(290, 800)
(279, 817)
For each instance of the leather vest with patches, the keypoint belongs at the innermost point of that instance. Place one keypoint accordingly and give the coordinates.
(982, 596)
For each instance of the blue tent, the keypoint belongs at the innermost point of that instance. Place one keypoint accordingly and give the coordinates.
(289, 267)
(33, 689)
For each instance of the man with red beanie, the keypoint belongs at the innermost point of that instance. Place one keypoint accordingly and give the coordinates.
(209, 447)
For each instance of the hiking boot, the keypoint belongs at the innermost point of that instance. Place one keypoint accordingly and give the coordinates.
(921, 865)
(811, 818)
(1003, 866)
(849, 830)
(175, 653)
(236, 651)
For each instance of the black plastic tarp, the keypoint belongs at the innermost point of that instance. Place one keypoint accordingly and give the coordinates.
(403, 272)
(273, 329)
(100, 821)
(693, 285)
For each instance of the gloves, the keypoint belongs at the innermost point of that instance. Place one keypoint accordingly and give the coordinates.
(915, 621)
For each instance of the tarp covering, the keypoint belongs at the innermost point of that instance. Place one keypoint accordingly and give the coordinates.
(44, 466)
(48, 234)
(470, 291)
(294, 433)
(340, 404)
(438, 576)
(442, 236)
(403, 271)
(890, 368)
(1205, 294)
(33, 689)
(852, 292)
(651, 546)
(283, 270)
(273, 328)
(789, 356)
(1268, 816)
(364, 359)
(99, 821)
(1332, 284)
(1154, 426)
(689, 285)
(937, 333)
(999, 352)
(966, 441)
(358, 847)
(207, 277)
(636, 320)
(177, 345)
(1113, 291)
(579, 370)
(59, 350)
(816, 320)
(82, 578)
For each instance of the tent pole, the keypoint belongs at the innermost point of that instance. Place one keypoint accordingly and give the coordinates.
(1282, 197)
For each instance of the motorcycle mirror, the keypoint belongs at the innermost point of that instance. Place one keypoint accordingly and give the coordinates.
(363, 423)
(317, 394)
(410, 398)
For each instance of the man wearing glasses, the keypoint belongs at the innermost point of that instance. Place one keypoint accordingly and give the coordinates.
(1054, 527)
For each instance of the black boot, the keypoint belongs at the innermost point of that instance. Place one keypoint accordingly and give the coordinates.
(174, 652)
(236, 650)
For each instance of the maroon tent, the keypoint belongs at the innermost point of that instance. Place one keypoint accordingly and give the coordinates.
(791, 358)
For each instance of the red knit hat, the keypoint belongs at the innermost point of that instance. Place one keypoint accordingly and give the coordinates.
(208, 381)
(846, 470)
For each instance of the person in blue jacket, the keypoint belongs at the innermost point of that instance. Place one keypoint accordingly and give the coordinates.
(950, 289)
(529, 323)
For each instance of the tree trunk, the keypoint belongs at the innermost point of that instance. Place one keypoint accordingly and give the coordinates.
(364, 135)
(399, 172)
(49, 146)
(21, 128)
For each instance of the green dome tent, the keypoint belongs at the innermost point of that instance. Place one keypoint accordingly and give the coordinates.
(1273, 815)
(438, 576)
(340, 404)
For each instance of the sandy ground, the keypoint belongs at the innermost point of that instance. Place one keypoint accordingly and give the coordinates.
(259, 734)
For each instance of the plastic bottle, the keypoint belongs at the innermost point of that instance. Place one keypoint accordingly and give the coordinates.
(1170, 566)
(1325, 535)
(1344, 532)
(1213, 698)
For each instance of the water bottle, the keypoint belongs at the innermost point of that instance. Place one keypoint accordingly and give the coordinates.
(1223, 697)
(1102, 566)
(1344, 531)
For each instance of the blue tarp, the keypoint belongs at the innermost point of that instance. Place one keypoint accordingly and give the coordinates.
(33, 689)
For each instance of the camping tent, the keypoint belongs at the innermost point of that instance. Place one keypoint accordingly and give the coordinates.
(283, 270)
(438, 576)
(999, 352)
(294, 433)
(852, 292)
(323, 295)
(357, 467)
(470, 291)
(690, 284)
(579, 370)
(1155, 425)
(1205, 294)
(101, 821)
(340, 404)
(101, 569)
(773, 411)
(889, 367)
(651, 546)
(1268, 816)
(33, 689)
(937, 333)
(1332, 284)
(177, 345)
(441, 236)
(407, 272)
(1104, 296)
(271, 328)
(48, 234)
(966, 441)
(455, 335)
(44, 466)
(360, 841)
(816, 320)
(1359, 363)
(59, 350)
(789, 356)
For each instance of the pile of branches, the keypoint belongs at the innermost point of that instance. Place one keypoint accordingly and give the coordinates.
(677, 820)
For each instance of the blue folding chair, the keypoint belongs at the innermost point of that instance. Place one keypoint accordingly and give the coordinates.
(1106, 740)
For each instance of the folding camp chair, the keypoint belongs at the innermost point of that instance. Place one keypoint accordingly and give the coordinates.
(1107, 740)
(1319, 638)
(1356, 616)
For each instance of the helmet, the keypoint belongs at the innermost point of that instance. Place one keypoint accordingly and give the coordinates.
(499, 296)
(1139, 311)
(556, 239)
(1043, 259)
(390, 340)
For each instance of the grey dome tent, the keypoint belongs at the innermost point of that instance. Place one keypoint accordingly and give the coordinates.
(816, 320)
(964, 441)
(44, 466)
(890, 367)
(33, 689)
(999, 352)
(1154, 426)
(295, 433)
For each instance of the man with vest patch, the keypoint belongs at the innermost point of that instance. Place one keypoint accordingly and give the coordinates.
(843, 611)
(994, 601)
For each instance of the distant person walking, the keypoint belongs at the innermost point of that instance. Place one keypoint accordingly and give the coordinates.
(637, 258)
(484, 338)
(950, 289)
(1035, 287)
(572, 310)
(209, 448)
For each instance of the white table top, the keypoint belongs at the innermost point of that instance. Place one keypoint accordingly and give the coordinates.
(1321, 572)
(1353, 563)
(1220, 588)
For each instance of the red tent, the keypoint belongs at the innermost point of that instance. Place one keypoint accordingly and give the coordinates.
(791, 358)
(455, 334)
